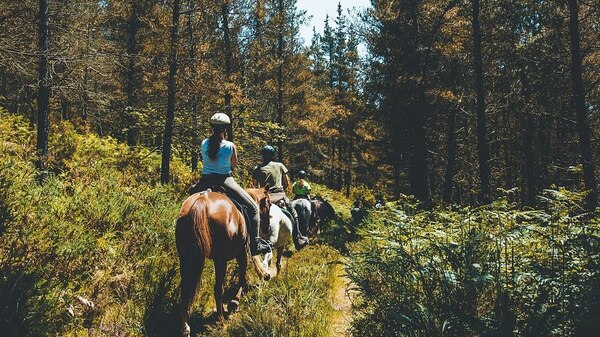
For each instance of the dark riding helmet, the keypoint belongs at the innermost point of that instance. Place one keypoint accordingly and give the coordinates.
(268, 152)
(302, 174)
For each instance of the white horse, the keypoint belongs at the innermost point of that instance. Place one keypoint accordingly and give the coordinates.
(279, 234)
(303, 208)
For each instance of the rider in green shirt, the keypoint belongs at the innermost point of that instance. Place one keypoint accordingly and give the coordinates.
(301, 188)
(274, 174)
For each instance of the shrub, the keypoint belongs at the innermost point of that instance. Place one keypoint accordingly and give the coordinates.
(493, 270)
(99, 229)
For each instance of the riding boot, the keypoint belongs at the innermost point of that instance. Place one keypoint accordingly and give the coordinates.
(258, 245)
(300, 241)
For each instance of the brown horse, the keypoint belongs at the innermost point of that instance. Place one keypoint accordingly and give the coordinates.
(258, 195)
(210, 226)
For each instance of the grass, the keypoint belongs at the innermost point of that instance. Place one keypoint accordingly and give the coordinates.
(295, 303)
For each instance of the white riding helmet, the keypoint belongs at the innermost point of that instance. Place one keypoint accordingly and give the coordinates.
(220, 119)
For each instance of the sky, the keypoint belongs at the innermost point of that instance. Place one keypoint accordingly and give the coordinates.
(319, 8)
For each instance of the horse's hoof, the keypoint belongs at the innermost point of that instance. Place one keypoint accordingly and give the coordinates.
(233, 306)
(186, 330)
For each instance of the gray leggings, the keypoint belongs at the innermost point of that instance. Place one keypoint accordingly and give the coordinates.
(235, 192)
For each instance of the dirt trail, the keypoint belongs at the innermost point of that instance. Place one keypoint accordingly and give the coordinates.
(342, 306)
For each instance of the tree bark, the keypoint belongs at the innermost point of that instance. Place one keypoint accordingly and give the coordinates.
(483, 151)
(530, 176)
(43, 96)
(419, 176)
(451, 160)
(228, 63)
(172, 89)
(348, 174)
(578, 96)
(86, 73)
(194, 75)
(131, 84)
(280, 74)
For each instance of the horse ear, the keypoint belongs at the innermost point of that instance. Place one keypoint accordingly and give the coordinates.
(267, 188)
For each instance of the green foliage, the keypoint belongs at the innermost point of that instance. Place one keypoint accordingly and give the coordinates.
(494, 270)
(294, 303)
(99, 228)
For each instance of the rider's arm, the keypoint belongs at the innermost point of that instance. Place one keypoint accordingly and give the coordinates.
(234, 157)
(285, 181)
(255, 183)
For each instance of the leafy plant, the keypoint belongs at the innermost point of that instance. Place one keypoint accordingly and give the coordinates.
(493, 270)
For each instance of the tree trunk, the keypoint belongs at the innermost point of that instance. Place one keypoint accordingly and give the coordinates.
(43, 98)
(86, 72)
(280, 74)
(228, 63)
(482, 144)
(530, 176)
(348, 174)
(451, 160)
(194, 75)
(172, 88)
(419, 176)
(398, 160)
(578, 96)
(64, 108)
(506, 148)
(131, 85)
(545, 147)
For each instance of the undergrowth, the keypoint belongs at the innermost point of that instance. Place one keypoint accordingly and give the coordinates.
(92, 249)
(296, 303)
(489, 271)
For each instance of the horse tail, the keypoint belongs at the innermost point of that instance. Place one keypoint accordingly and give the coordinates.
(192, 252)
(201, 231)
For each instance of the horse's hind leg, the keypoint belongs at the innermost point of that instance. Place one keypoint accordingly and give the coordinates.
(191, 265)
(279, 255)
(220, 271)
(242, 260)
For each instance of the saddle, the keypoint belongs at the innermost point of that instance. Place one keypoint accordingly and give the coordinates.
(289, 215)
(197, 188)
(219, 189)
(278, 198)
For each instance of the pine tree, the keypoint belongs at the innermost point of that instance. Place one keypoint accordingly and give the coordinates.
(172, 88)
(578, 94)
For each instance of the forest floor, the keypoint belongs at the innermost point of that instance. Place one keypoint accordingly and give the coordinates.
(341, 302)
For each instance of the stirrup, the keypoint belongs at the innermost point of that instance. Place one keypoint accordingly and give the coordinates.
(259, 246)
(300, 242)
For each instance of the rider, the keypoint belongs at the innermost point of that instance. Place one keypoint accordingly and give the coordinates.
(301, 188)
(219, 157)
(274, 174)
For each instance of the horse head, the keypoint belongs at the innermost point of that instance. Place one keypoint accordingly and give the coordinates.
(263, 200)
(325, 212)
